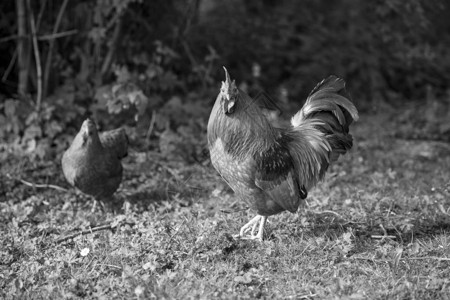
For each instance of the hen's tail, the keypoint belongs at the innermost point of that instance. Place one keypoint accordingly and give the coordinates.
(320, 129)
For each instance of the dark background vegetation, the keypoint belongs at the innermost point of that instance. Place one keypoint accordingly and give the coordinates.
(122, 61)
(154, 67)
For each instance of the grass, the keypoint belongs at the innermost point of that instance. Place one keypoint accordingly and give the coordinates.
(378, 227)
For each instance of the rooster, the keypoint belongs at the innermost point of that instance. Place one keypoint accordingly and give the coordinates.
(92, 163)
(270, 168)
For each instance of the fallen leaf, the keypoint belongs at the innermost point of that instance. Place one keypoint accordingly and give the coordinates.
(139, 290)
(246, 278)
(84, 251)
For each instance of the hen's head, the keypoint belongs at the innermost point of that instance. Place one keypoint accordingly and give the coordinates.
(88, 131)
(228, 94)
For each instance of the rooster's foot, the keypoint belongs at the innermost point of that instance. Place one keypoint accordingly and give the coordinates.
(253, 224)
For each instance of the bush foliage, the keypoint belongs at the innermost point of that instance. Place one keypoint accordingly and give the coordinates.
(124, 62)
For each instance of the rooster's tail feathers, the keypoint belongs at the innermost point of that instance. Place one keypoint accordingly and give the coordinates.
(328, 96)
(320, 130)
(310, 151)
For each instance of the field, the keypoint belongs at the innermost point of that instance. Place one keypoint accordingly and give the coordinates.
(378, 227)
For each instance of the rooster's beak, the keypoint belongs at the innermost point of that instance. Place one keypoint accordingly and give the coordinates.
(228, 107)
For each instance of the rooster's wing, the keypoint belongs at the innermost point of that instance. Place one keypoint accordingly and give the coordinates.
(275, 175)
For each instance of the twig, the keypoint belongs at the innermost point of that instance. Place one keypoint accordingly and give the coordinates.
(194, 63)
(83, 232)
(111, 266)
(41, 14)
(37, 58)
(9, 38)
(150, 127)
(113, 21)
(10, 66)
(380, 237)
(329, 212)
(44, 37)
(53, 36)
(113, 46)
(141, 20)
(176, 232)
(35, 185)
(228, 211)
(302, 296)
(403, 258)
(428, 257)
(384, 236)
(368, 258)
(51, 45)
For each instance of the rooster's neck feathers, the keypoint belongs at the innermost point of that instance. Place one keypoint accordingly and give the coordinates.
(238, 122)
(244, 131)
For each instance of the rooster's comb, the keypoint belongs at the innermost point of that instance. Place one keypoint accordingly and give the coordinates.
(228, 85)
(229, 93)
(227, 77)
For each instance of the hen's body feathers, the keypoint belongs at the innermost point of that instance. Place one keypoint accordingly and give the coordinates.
(115, 141)
(92, 162)
(270, 168)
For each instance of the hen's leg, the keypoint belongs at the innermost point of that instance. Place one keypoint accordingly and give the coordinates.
(99, 203)
(253, 224)
(94, 206)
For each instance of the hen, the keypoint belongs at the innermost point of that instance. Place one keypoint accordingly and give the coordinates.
(93, 162)
(272, 169)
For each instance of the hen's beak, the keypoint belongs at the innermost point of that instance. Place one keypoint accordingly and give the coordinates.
(87, 128)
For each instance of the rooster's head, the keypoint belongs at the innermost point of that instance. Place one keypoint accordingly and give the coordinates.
(229, 94)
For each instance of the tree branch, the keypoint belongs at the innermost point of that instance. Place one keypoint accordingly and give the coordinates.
(112, 48)
(37, 59)
(21, 48)
(51, 45)
(41, 14)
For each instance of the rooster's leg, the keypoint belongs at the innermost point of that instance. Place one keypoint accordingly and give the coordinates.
(253, 224)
